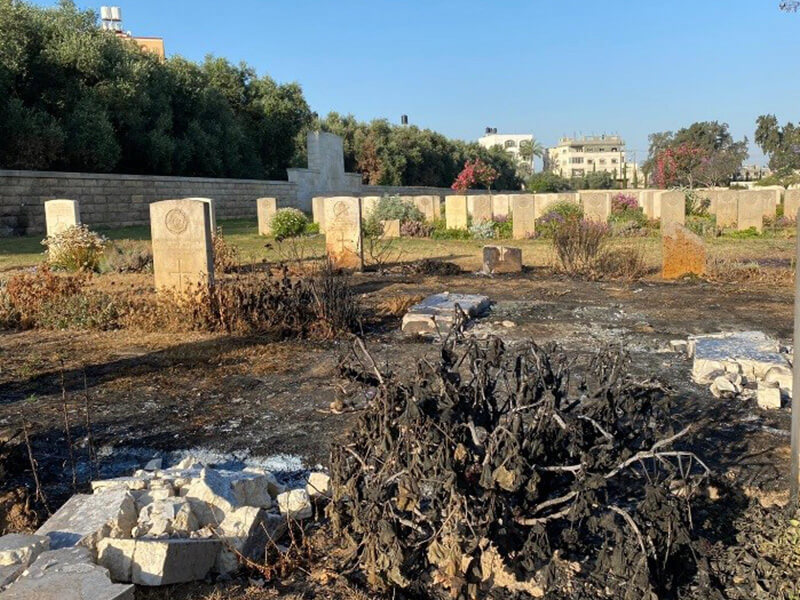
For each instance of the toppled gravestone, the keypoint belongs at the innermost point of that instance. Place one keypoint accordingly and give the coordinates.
(157, 527)
(746, 363)
(87, 518)
(436, 314)
(66, 574)
(501, 259)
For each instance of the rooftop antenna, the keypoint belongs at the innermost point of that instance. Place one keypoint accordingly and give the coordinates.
(111, 17)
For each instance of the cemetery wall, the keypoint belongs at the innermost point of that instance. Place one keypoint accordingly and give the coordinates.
(122, 200)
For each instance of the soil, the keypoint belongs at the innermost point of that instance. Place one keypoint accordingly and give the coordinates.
(150, 393)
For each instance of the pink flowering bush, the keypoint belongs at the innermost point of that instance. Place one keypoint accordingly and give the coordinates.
(623, 202)
(474, 174)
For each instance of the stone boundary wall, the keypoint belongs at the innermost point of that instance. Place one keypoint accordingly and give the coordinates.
(108, 200)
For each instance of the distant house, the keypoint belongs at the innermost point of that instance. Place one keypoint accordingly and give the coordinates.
(579, 156)
(507, 141)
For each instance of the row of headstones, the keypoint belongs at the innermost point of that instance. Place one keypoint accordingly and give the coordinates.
(60, 214)
(181, 233)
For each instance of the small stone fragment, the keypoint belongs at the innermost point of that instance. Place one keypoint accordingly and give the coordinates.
(171, 517)
(319, 484)
(678, 345)
(769, 398)
(295, 504)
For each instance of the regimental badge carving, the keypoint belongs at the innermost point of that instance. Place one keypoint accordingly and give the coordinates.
(176, 221)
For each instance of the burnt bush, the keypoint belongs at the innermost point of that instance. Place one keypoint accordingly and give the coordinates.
(496, 468)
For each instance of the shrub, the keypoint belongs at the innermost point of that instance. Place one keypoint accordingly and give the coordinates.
(254, 302)
(24, 294)
(577, 243)
(482, 231)
(556, 215)
(547, 183)
(621, 263)
(702, 226)
(393, 207)
(312, 228)
(77, 248)
(503, 227)
(127, 256)
(288, 222)
(696, 204)
(417, 229)
(90, 309)
(226, 256)
(371, 228)
(443, 233)
(623, 203)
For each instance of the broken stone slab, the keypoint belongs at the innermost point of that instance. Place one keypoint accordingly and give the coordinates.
(158, 562)
(247, 531)
(437, 313)
(122, 483)
(66, 574)
(318, 485)
(295, 504)
(723, 387)
(769, 396)
(678, 345)
(780, 376)
(216, 493)
(20, 548)
(501, 259)
(274, 487)
(172, 517)
(752, 353)
(87, 518)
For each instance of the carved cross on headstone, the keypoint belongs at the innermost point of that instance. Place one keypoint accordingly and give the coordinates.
(181, 274)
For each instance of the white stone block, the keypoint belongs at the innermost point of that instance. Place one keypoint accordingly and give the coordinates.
(172, 517)
(158, 562)
(295, 504)
(769, 398)
(319, 484)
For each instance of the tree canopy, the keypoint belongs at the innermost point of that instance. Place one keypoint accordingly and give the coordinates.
(703, 154)
(74, 97)
(389, 154)
(780, 142)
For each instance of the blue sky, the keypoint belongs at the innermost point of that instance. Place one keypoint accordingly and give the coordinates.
(546, 67)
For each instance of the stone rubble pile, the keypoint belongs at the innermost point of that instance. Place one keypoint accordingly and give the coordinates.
(747, 364)
(156, 527)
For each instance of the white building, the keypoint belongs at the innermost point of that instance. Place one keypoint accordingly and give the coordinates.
(508, 141)
(576, 157)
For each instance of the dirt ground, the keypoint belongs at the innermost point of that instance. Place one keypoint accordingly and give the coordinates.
(148, 394)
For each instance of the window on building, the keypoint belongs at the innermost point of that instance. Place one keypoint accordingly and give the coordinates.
(602, 161)
(613, 149)
(613, 161)
(576, 160)
(511, 144)
(577, 172)
(590, 161)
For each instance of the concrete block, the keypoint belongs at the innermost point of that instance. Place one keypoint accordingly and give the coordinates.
(158, 562)
(21, 549)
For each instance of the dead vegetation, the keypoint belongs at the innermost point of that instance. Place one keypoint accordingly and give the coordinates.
(727, 270)
(492, 468)
(250, 301)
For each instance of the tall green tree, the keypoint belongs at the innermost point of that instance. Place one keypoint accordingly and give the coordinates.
(718, 156)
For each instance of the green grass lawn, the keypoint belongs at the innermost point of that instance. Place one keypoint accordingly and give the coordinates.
(26, 251)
